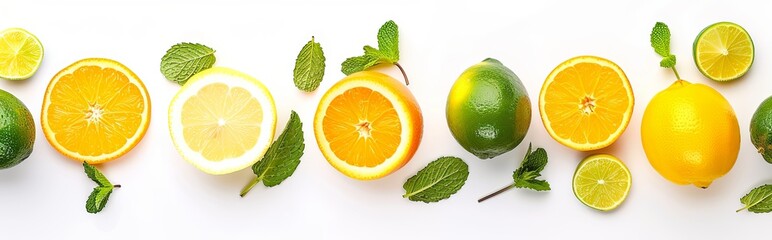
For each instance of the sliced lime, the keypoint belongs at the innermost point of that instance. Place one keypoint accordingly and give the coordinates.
(723, 51)
(20, 54)
(602, 182)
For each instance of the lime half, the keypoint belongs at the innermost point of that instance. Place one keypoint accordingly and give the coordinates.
(20, 54)
(723, 51)
(602, 182)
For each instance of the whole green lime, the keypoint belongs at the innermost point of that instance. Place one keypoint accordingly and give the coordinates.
(761, 129)
(17, 131)
(488, 109)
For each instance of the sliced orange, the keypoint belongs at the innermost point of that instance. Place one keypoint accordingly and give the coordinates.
(95, 110)
(368, 125)
(586, 103)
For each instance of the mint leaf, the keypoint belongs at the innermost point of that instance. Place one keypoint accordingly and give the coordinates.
(358, 64)
(533, 184)
(98, 197)
(95, 175)
(388, 41)
(309, 67)
(375, 53)
(437, 181)
(530, 169)
(184, 60)
(526, 175)
(282, 157)
(758, 200)
(668, 62)
(387, 52)
(660, 39)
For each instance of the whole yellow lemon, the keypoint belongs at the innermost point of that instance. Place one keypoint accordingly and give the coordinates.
(690, 134)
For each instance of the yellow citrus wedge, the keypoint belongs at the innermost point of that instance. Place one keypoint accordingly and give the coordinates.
(586, 103)
(368, 125)
(95, 110)
(222, 120)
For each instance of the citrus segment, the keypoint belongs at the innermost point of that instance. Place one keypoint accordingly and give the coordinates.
(723, 51)
(376, 120)
(601, 182)
(95, 110)
(222, 120)
(368, 125)
(20, 54)
(586, 103)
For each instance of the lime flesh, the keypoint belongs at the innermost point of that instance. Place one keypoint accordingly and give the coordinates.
(20, 54)
(602, 182)
(723, 51)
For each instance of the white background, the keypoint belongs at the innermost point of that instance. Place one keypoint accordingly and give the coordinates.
(165, 197)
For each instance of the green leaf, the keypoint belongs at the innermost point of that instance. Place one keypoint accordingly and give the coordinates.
(387, 52)
(357, 64)
(388, 41)
(282, 157)
(375, 53)
(660, 39)
(533, 184)
(98, 199)
(526, 176)
(530, 169)
(95, 175)
(437, 181)
(184, 60)
(668, 62)
(309, 67)
(758, 200)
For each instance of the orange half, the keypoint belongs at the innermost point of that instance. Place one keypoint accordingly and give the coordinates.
(95, 110)
(368, 125)
(586, 103)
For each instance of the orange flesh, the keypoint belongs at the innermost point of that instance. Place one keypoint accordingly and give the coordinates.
(586, 103)
(221, 122)
(362, 127)
(95, 110)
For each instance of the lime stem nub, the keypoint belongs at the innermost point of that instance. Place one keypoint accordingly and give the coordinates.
(403, 73)
(117, 186)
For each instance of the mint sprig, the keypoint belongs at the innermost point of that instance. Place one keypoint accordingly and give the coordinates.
(309, 67)
(526, 176)
(386, 53)
(437, 181)
(97, 200)
(282, 157)
(660, 41)
(184, 60)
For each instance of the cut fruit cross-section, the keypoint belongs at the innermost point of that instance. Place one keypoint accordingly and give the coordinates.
(222, 120)
(20, 54)
(602, 182)
(95, 110)
(368, 125)
(586, 103)
(723, 51)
